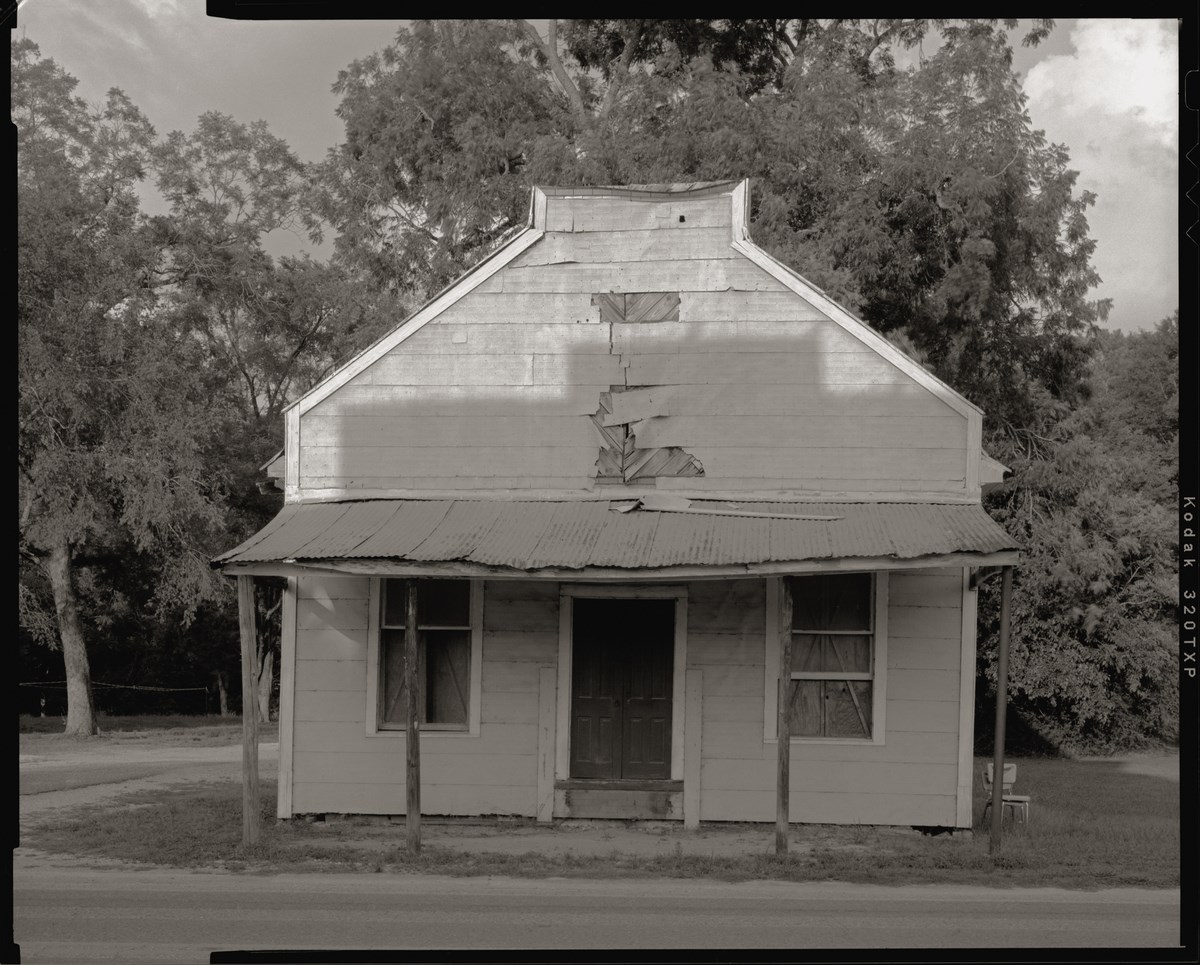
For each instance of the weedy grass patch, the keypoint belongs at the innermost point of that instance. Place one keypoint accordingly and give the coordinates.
(1092, 826)
(165, 729)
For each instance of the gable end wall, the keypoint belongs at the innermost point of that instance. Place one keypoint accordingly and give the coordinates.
(765, 391)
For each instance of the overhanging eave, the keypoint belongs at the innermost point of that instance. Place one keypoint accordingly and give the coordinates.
(611, 574)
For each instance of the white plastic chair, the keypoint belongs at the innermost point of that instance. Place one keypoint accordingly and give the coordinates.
(1015, 803)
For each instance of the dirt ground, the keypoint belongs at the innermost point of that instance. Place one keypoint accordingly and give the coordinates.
(57, 774)
(602, 838)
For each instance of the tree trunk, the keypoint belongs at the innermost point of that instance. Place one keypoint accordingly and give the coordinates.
(81, 713)
(265, 681)
(222, 693)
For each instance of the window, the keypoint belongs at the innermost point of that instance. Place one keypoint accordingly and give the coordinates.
(445, 637)
(833, 656)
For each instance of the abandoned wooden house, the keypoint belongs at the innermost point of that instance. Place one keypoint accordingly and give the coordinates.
(583, 519)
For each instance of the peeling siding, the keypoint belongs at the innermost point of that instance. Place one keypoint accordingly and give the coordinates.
(528, 352)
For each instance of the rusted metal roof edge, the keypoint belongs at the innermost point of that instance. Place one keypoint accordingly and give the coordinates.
(392, 567)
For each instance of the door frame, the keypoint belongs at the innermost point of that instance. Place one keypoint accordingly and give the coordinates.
(567, 593)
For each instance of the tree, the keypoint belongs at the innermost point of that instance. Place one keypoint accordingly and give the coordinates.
(271, 329)
(893, 162)
(919, 196)
(114, 406)
(439, 127)
(1093, 664)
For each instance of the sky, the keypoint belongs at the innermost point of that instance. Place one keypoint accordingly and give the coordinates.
(1107, 88)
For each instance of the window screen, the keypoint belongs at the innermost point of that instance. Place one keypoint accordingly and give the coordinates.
(443, 653)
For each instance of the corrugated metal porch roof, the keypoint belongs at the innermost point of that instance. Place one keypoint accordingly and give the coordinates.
(578, 535)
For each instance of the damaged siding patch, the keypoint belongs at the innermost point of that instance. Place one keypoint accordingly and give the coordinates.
(633, 307)
(620, 460)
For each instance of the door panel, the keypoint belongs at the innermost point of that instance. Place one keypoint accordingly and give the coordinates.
(647, 706)
(595, 699)
(623, 669)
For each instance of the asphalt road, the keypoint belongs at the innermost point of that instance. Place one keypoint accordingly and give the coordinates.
(64, 914)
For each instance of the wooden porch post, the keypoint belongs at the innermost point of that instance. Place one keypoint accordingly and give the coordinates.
(246, 630)
(1001, 709)
(784, 717)
(412, 736)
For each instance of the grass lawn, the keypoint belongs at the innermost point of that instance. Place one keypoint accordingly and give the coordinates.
(210, 730)
(1091, 827)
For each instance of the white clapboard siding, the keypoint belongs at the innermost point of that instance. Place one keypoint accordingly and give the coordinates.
(734, 681)
(941, 588)
(329, 705)
(917, 761)
(416, 401)
(934, 716)
(334, 798)
(927, 654)
(608, 214)
(386, 766)
(331, 644)
(639, 244)
(506, 708)
(514, 338)
(578, 370)
(820, 808)
(738, 707)
(832, 488)
(526, 347)
(737, 741)
(832, 777)
(693, 274)
(325, 675)
(925, 684)
(510, 676)
(733, 306)
(337, 767)
(539, 647)
(333, 615)
(326, 589)
(522, 591)
(402, 368)
(802, 432)
(723, 338)
(728, 647)
(923, 623)
(767, 399)
(797, 368)
(347, 738)
(507, 308)
(371, 431)
(926, 466)
(521, 615)
(450, 460)
(386, 486)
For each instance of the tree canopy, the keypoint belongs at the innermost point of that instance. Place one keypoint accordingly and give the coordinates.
(918, 195)
(114, 406)
(892, 162)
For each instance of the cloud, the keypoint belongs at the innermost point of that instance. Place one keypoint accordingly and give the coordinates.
(1121, 69)
(1113, 100)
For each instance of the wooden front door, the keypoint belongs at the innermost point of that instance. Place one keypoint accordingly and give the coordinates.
(622, 676)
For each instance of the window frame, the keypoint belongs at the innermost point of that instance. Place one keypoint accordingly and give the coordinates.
(374, 697)
(879, 608)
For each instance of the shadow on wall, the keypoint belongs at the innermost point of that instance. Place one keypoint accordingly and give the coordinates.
(482, 398)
